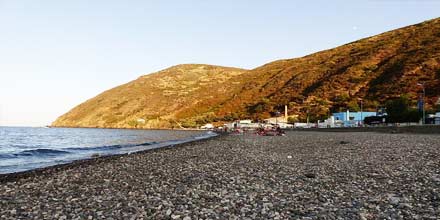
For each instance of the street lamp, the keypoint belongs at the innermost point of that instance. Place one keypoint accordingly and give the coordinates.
(423, 101)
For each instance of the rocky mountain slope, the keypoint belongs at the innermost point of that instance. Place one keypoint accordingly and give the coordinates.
(373, 70)
(157, 100)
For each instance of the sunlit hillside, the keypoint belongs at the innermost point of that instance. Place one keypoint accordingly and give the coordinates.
(373, 70)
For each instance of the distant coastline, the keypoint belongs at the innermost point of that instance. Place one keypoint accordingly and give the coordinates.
(128, 128)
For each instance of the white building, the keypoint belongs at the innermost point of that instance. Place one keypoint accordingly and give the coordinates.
(207, 126)
(244, 122)
(280, 121)
(301, 125)
(247, 123)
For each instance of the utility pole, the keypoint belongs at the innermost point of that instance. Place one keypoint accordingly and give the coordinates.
(307, 116)
(362, 118)
(423, 101)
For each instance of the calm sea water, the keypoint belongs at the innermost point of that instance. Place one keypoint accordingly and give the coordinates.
(24, 149)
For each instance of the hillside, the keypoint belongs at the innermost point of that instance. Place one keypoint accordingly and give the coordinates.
(158, 98)
(374, 69)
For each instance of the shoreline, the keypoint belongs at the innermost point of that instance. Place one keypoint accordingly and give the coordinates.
(417, 129)
(10, 177)
(302, 175)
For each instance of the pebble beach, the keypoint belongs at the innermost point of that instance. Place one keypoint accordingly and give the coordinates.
(302, 175)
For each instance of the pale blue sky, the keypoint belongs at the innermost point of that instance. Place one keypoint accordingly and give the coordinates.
(57, 54)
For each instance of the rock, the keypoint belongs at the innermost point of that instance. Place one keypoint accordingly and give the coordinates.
(168, 212)
(363, 216)
(243, 178)
(310, 175)
(394, 200)
(436, 178)
(244, 210)
(404, 206)
(175, 216)
(267, 205)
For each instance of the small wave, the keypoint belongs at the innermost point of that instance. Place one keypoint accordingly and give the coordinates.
(147, 143)
(41, 152)
(110, 147)
(6, 156)
(207, 134)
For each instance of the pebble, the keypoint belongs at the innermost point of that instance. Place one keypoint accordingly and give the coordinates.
(310, 175)
(364, 176)
(168, 212)
(394, 200)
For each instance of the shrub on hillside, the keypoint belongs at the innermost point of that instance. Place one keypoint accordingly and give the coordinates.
(399, 110)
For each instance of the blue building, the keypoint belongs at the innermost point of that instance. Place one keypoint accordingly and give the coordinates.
(352, 119)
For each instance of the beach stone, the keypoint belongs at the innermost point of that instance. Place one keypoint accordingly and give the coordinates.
(405, 206)
(394, 200)
(243, 177)
(267, 205)
(168, 212)
(363, 216)
(310, 175)
(175, 216)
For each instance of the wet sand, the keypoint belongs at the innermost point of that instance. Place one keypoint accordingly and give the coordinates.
(303, 175)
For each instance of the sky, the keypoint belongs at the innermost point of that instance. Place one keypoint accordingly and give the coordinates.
(56, 54)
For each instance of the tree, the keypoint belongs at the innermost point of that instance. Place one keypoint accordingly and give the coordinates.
(412, 115)
(292, 120)
(188, 123)
(399, 110)
(261, 109)
(437, 104)
(353, 106)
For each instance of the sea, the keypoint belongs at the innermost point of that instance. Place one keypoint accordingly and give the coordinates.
(25, 148)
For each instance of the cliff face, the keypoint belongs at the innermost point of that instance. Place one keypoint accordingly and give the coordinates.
(373, 69)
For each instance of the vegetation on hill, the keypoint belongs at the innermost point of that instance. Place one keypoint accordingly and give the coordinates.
(160, 100)
(371, 70)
